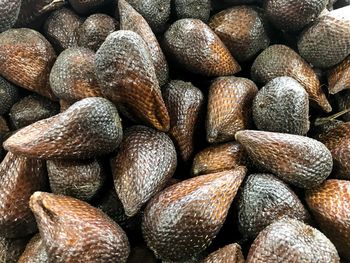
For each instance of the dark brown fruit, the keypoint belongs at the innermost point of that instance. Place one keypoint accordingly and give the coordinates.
(242, 31)
(278, 61)
(184, 103)
(9, 94)
(199, 9)
(218, 158)
(65, 104)
(141, 254)
(266, 199)
(181, 221)
(95, 29)
(229, 108)
(73, 76)
(19, 178)
(156, 12)
(343, 103)
(74, 231)
(11, 249)
(127, 77)
(298, 160)
(293, 15)
(9, 10)
(195, 46)
(89, 128)
(79, 179)
(228, 254)
(329, 204)
(327, 41)
(289, 240)
(86, 7)
(60, 29)
(31, 109)
(4, 131)
(339, 77)
(282, 106)
(145, 161)
(34, 252)
(26, 58)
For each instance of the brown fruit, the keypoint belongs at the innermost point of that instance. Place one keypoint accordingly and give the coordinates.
(327, 41)
(228, 254)
(11, 249)
(131, 20)
(4, 132)
(146, 159)
(9, 12)
(34, 252)
(199, 9)
(20, 177)
(339, 77)
(184, 103)
(73, 76)
(329, 204)
(289, 240)
(343, 103)
(195, 46)
(9, 95)
(229, 107)
(181, 221)
(74, 231)
(218, 158)
(127, 77)
(242, 30)
(266, 199)
(278, 61)
(86, 7)
(89, 128)
(298, 160)
(26, 58)
(141, 254)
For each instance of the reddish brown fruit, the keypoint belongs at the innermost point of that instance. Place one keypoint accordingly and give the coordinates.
(127, 76)
(184, 103)
(34, 252)
(20, 177)
(339, 77)
(26, 58)
(218, 158)
(145, 161)
(329, 203)
(228, 254)
(229, 108)
(89, 128)
(131, 20)
(289, 240)
(181, 221)
(196, 47)
(298, 160)
(242, 31)
(74, 231)
(279, 60)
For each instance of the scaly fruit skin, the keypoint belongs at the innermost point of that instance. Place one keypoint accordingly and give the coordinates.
(199, 9)
(266, 199)
(282, 105)
(11, 249)
(337, 140)
(9, 12)
(293, 15)
(343, 103)
(60, 29)
(181, 221)
(146, 159)
(127, 77)
(9, 95)
(196, 47)
(278, 61)
(20, 177)
(85, 7)
(229, 107)
(242, 30)
(184, 103)
(298, 160)
(34, 251)
(79, 179)
(131, 20)
(73, 76)
(329, 204)
(339, 77)
(93, 32)
(218, 158)
(289, 240)
(89, 128)
(228, 254)
(327, 41)
(26, 58)
(74, 231)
